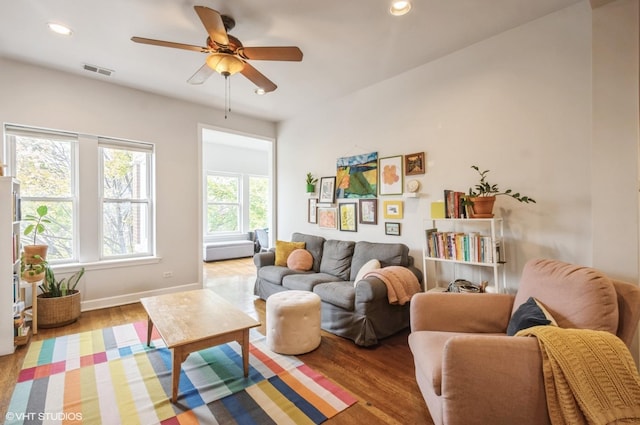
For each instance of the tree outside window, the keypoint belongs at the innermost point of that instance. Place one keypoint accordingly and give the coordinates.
(223, 203)
(258, 202)
(126, 202)
(44, 168)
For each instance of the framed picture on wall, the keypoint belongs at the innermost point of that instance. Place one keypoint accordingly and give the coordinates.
(392, 209)
(414, 164)
(327, 190)
(328, 217)
(390, 175)
(392, 229)
(368, 211)
(313, 210)
(348, 217)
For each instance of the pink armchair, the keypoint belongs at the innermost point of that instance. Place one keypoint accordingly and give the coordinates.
(470, 372)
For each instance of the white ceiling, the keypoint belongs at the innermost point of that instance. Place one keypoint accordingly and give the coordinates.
(347, 45)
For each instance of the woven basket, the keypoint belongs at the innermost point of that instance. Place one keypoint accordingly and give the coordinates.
(58, 311)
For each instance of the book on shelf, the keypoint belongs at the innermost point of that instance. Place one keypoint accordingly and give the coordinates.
(468, 247)
(454, 205)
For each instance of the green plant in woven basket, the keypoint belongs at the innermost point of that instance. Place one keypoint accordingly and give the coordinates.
(53, 288)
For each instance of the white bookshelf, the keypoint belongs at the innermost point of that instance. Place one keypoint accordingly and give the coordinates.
(492, 261)
(9, 258)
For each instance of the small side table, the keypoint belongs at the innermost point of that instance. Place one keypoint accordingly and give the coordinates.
(33, 313)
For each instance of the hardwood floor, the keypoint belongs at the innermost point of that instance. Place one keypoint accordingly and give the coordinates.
(381, 378)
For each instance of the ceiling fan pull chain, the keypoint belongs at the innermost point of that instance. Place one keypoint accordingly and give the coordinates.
(226, 96)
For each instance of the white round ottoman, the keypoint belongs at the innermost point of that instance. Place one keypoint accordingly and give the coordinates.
(293, 322)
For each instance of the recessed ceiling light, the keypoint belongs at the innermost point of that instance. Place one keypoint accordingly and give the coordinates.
(400, 7)
(59, 28)
(259, 91)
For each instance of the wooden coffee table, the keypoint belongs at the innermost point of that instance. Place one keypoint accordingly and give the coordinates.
(194, 320)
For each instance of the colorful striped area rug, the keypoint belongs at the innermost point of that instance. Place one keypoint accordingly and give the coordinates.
(110, 376)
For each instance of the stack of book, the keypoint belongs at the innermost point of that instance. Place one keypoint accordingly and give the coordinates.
(472, 247)
(454, 205)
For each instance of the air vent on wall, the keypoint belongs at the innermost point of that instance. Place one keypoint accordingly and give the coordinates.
(99, 70)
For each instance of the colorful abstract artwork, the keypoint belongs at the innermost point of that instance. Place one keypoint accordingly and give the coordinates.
(357, 176)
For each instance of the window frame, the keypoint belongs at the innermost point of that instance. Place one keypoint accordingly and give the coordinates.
(148, 150)
(13, 131)
(87, 210)
(239, 204)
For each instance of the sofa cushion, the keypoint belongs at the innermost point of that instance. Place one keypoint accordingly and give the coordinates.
(389, 254)
(561, 288)
(367, 267)
(284, 249)
(301, 260)
(275, 274)
(526, 316)
(336, 258)
(341, 294)
(306, 282)
(313, 244)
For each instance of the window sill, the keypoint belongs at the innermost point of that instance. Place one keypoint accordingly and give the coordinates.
(106, 264)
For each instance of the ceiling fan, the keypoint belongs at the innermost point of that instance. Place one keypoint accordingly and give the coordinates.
(227, 55)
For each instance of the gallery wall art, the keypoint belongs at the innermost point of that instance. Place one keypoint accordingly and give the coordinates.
(357, 176)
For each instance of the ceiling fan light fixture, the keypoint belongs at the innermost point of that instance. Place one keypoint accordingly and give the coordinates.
(400, 7)
(224, 63)
(59, 28)
(260, 91)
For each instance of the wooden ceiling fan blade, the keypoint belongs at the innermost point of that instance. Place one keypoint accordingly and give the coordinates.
(257, 78)
(284, 53)
(201, 75)
(212, 21)
(170, 44)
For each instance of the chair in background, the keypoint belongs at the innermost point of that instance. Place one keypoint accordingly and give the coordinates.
(262, 236)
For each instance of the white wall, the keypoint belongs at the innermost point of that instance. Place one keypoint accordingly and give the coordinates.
(616, 110)
(233, 159)
(615, 139)
(39, 97)
(518, 104)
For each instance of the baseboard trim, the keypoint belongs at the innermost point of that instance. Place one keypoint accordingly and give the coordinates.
(133, 297)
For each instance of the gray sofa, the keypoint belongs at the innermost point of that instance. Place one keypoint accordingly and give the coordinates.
(360, 312)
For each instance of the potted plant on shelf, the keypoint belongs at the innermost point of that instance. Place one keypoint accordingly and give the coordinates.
(32, 269)
(59, 303)
(483, 195)
(37, 226)
(311, 183)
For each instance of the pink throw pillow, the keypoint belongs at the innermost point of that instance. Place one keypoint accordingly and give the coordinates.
(300, 260)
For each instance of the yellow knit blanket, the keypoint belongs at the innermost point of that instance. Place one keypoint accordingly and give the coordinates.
(589, 376)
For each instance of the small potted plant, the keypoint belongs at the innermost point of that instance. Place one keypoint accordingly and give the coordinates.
(36, 227)
(59, 303)
(483, 195)
(311, 183)
(32, 269)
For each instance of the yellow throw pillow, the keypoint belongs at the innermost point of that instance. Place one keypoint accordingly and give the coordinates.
(284, 249)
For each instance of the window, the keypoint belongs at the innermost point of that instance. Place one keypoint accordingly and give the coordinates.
(126, 199)
(223, 203)
(44, 163)
(258, 202)
(110, 181)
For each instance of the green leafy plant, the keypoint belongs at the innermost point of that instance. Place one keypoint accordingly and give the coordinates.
(37, 222)
(484, 188)
(29, 270)
(53, 288)
(311, 179)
